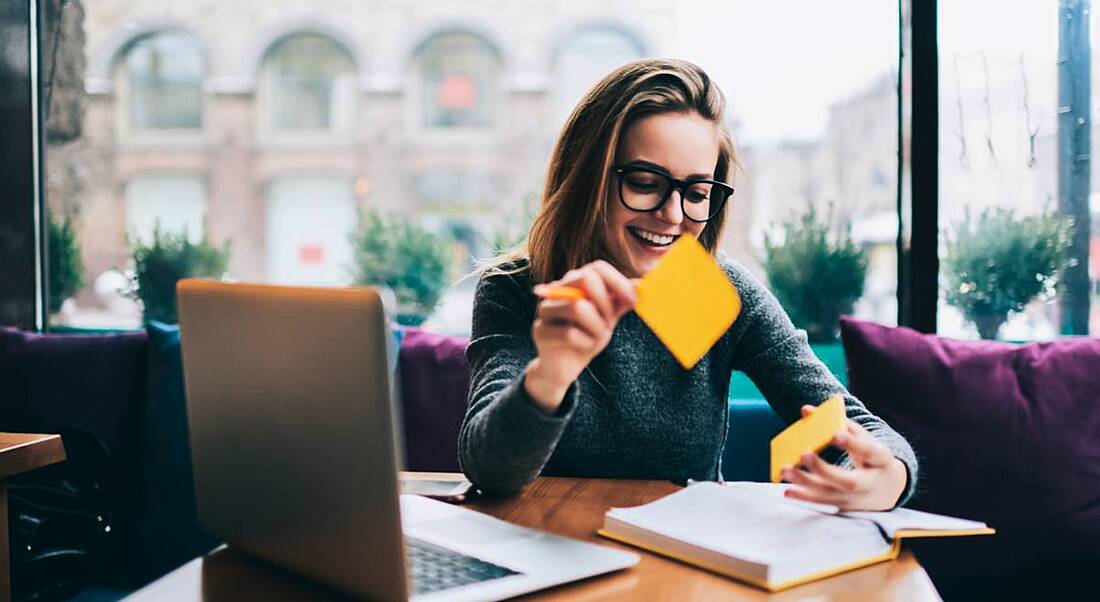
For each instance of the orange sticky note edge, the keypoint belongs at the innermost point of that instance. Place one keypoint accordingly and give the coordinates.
(565, 293)
(811, 433)
(687, 301)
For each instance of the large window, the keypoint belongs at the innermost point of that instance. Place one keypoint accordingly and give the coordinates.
(813, 105)
(308, 83)
(458, 75)
(1016, 115)
(160, 82)
(440, 121)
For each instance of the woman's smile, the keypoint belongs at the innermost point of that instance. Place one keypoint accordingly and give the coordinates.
(651, 241)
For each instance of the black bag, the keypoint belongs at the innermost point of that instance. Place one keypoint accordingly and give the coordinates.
(60, 522)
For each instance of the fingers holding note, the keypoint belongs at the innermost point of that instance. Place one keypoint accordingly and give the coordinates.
(875, 482)
(598, 282)
(573, 323)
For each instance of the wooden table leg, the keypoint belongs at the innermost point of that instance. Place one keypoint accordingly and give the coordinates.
(5, 563)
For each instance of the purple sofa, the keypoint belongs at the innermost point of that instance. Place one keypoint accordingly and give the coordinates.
(434, 381)
(1007, 434)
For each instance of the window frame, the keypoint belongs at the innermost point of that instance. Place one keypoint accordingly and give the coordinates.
(23, 275)
(918, 237)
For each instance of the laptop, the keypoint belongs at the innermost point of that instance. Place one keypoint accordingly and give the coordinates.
(293, 437)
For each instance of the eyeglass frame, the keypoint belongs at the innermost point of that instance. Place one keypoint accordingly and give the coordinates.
(674, 184)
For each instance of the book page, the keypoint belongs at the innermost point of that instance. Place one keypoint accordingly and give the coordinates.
(903, 518)
(890, 521)
(775, 491)
(790, 540)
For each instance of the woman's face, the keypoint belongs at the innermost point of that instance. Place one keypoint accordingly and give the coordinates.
(685, 145)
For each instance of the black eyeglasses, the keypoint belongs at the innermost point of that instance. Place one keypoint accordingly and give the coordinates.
(648, 189)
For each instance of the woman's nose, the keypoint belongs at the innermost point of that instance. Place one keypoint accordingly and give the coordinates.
(673, 210)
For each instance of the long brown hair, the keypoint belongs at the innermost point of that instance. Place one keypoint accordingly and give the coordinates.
(568, 230)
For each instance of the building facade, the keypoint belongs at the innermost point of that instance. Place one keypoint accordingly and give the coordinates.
(270, 125)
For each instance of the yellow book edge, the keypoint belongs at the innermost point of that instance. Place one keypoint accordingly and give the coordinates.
(918, 533)
(895, 549)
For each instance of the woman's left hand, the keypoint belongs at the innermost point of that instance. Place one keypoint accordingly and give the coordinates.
(875, 483)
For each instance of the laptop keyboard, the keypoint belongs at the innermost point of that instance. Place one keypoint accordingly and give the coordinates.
(433, 568)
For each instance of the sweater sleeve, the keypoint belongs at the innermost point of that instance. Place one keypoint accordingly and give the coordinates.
(780, 362)
(505, 439)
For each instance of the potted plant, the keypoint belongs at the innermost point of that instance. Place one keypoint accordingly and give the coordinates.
(816, 277)
(66, 270)
(997, 264)
(393, 251)
(162, 262)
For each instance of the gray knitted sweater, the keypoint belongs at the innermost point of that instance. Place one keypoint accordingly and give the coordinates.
(634, 413)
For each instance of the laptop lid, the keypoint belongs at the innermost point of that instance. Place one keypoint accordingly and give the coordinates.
(292, 429)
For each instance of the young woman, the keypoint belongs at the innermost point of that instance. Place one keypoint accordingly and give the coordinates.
(584, 388)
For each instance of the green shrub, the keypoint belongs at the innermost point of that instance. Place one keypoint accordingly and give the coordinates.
(169, 257)
(816, 279)
(66, 268)
(394, 252)
(998, 264)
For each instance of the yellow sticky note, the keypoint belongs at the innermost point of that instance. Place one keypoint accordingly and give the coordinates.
(811, 433)
(687, 301)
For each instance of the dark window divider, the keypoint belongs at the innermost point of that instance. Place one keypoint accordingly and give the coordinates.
(918, 261)
(21, 229)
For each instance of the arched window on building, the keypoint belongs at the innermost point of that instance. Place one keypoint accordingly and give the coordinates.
(458, 81)
(307, 83)
(159, 78)
(584, 58)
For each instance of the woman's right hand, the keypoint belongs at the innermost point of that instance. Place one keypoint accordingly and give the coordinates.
(568, 334)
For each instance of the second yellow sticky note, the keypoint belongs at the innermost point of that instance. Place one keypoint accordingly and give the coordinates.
(812, 433)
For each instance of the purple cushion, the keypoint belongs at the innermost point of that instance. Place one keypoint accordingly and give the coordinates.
(94, 383)
(1007, 434)
(434, 383)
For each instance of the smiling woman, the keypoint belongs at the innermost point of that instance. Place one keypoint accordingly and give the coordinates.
(581, 387)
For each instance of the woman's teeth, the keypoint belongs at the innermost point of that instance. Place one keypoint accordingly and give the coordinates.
(661, 240)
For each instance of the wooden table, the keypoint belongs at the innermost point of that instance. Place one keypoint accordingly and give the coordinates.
(19, 453)
(574, 508)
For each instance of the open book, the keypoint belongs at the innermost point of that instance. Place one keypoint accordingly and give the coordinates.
(749, 531)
